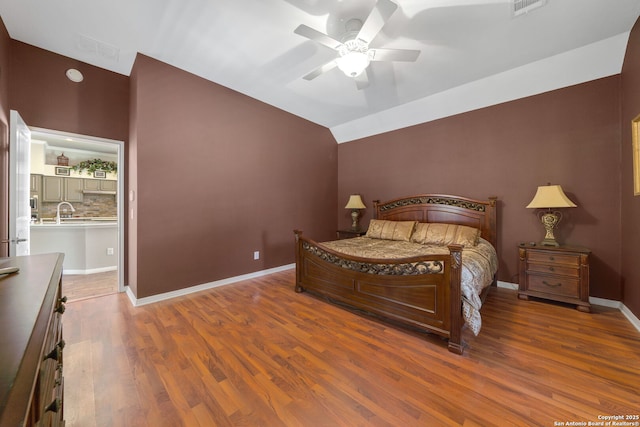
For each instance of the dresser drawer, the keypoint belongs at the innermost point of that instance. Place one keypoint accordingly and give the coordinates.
(572, 260)
(559, 269)
(554, 285)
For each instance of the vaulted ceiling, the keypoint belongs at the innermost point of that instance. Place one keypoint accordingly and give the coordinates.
(473, 53)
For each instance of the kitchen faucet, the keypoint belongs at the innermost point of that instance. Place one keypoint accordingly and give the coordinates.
(58, 210)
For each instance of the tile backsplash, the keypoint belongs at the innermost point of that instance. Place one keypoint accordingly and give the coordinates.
(93, 205)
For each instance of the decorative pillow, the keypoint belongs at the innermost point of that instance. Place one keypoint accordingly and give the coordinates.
(390, 230)
(433, 233)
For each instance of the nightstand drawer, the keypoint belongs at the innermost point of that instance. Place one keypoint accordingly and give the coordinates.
(553, 258)
(554, 269)
(554, 285)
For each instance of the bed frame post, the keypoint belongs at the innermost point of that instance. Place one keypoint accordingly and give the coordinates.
(375, 208)
(455, 298)
(492, 221)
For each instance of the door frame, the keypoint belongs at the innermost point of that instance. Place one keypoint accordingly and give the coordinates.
(120, 200)
(18, 196)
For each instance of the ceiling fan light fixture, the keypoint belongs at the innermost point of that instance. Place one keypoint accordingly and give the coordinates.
(354, 57)
(353, 63)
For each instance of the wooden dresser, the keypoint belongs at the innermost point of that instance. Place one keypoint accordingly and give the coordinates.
(555, 273)
(31, 307)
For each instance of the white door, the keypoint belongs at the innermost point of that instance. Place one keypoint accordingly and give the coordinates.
(19, 185)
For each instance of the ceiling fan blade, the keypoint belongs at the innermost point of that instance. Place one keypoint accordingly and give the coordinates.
(317, 36)
(362, 80)
(326, 67)
(404, 55)
(376, 20)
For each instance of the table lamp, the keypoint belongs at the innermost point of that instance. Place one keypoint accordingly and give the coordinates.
(355, 203)
(549, 197)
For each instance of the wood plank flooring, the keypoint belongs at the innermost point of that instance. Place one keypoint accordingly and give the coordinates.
(81, 286)
(256, 353)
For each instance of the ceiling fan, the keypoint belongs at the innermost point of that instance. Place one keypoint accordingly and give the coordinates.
(354, 52)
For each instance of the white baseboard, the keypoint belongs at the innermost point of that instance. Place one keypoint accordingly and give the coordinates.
(513, 286)
(595, 301)
(630, 316)
(197, 288)
(620, 306)
(90, 271)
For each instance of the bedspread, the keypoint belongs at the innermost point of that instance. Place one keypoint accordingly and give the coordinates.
(479, 265)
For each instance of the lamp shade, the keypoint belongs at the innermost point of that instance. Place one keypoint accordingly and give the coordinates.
(355, 202)
(550, 196)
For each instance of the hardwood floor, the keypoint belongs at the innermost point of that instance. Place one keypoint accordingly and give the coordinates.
(256, 353)
(81, 286)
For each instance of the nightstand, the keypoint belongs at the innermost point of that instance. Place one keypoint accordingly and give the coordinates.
(555, 273)
(349, 233)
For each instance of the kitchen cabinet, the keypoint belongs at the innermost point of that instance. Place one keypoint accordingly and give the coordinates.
(109, 185)
(35, 184)
(99, 185)
(58, 189)
(73, 189)
(52, 188)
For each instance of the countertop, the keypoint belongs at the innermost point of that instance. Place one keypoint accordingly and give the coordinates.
(75, 221)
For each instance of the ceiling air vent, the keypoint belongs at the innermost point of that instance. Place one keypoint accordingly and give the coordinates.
(520, 7)
(92, 46)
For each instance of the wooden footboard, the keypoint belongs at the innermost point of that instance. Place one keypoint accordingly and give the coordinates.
(421, 292)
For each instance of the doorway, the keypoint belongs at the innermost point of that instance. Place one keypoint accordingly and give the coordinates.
(79, 211)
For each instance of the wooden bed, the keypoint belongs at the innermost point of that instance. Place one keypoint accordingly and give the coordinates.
(392, 289)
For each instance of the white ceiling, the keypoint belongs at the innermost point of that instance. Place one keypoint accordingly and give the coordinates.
(474, 53)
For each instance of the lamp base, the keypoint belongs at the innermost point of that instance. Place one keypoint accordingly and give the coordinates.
(549, 220)
(549, 242)
(354, 220)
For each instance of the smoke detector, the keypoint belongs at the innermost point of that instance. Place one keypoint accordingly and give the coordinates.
(74, 75)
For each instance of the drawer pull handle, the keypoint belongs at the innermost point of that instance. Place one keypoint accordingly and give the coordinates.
(551, 258)
(552, 269)
(56, 353)
(54, 406)
(53, 354)
(544, 282)
(60, 308)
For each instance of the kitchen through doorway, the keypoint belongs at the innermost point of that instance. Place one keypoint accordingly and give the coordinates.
(77, 188)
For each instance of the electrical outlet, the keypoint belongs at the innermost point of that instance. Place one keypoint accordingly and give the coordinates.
(109, 251)
(256, 255)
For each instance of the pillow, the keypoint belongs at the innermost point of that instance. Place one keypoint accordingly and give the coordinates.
(390, 230)
(433, 233)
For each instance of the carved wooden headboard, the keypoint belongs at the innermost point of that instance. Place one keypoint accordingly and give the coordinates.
(443, 208)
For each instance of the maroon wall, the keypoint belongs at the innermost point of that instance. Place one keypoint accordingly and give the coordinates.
(630, 210)
(569, 137)
(45, 98)
(5, 43)
(219, 176)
